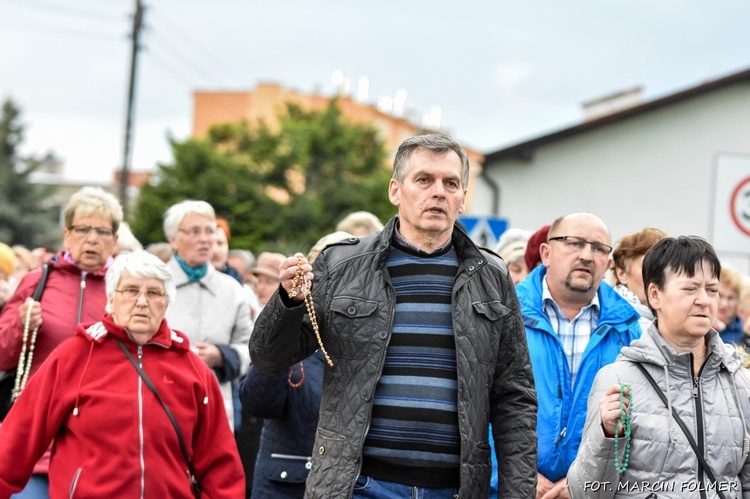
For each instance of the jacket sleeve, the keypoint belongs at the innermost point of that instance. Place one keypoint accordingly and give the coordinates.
(592, 475)
(31, 425)
(514, 405)
(243, 327)
(11, 329)
(215, 457)
(283, 334)
(264, 395)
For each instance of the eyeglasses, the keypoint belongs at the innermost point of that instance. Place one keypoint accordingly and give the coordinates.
(574, 244)
(194, 232)
(85, 230)
(133, 293)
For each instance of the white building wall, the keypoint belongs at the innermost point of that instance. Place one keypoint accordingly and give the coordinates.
(655, 169)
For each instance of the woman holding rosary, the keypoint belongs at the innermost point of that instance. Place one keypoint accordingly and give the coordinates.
(669, 417)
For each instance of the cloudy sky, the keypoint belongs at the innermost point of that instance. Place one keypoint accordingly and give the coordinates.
(500, 71)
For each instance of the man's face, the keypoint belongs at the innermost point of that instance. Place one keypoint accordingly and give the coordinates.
(575, 268)
(431, 196)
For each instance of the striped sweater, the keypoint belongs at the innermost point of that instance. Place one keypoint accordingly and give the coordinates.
(414, 437)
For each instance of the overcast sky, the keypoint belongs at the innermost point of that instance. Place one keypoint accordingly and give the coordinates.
(500, 71)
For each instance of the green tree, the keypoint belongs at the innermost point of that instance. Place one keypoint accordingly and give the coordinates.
(279, 189)
(24, 216)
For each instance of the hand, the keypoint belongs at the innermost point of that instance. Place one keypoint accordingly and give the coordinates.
(558, 491)
(543, 485)
(36, 313)
(210, 354)
(287, 271)
(609, 408)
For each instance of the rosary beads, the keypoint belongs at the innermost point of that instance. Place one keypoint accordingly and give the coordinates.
(624, 423)
(24, 362)
(299, 284)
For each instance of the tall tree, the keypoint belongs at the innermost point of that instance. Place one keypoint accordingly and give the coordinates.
(25, 217)
(281, 189)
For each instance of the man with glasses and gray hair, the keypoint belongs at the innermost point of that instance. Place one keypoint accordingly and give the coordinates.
(575, 323)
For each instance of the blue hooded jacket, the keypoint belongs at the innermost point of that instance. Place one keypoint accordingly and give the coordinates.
(562, 408)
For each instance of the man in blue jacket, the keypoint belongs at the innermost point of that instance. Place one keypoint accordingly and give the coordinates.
(575, 324)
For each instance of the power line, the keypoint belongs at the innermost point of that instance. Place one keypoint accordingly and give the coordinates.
(189, 39)
(184, 59)
(66, 10)
(70, 32)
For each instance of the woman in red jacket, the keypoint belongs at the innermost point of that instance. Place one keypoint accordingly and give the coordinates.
(103, 396)
(73, 293)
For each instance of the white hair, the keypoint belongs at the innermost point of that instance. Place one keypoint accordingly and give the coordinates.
(177, 212)
(139, 264)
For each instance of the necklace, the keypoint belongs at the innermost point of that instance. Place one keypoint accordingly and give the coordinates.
(301, 376)
(24, 362)
(624, 424)
(299, 284)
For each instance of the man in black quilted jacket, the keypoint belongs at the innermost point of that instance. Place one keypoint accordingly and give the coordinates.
(427, 346)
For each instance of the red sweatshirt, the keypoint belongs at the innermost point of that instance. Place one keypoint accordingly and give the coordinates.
(112, 437)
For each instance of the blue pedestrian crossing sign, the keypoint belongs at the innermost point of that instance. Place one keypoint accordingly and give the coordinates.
(483, 230)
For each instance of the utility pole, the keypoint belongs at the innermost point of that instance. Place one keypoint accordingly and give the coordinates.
(125, 172)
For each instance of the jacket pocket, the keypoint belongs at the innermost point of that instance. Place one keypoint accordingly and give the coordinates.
(282, 468)
(352, 320)
(488, 329)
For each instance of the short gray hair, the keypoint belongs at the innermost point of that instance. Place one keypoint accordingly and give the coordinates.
(435, 143)
(139, 264)
(94, 200)
(177, 212)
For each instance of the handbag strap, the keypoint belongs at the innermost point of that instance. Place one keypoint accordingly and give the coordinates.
(42, 283)
(683, 427)
(183, 447)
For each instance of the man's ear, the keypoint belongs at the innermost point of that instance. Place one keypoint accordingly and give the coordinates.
(544, 253)
(394, 192)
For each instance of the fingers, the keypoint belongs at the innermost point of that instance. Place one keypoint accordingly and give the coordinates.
(612, 409)
(35, 319)
(297, 287)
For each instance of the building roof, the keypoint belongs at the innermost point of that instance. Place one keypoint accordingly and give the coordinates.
(525, 150)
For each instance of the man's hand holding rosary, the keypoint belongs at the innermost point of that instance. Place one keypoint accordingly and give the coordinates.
(296, 277)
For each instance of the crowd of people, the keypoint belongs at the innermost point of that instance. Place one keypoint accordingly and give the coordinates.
(396, 360)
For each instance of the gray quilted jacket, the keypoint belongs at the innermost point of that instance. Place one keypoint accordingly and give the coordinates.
(354, 303)
(714, 406)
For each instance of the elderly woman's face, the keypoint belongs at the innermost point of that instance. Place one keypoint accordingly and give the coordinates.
(195, 239)
(686, 307)
(139, 304)
(91, 250)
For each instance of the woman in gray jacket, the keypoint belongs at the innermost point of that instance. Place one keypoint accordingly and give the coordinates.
(637, 440)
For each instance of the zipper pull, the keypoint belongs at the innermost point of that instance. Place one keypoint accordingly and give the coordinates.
(696, 380)
(561, 435)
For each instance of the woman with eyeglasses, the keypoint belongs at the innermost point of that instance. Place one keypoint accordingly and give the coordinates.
(211, 308)
(133, 411)
(73, 293)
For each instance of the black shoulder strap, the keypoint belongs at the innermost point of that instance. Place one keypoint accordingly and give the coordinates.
(42, 282)
(682, 426)
(191, 472)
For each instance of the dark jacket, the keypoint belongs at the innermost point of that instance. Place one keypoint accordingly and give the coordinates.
(354, 303)
(291, 417)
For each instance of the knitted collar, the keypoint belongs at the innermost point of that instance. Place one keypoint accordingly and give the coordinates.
(400, 241)
(195, 274)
